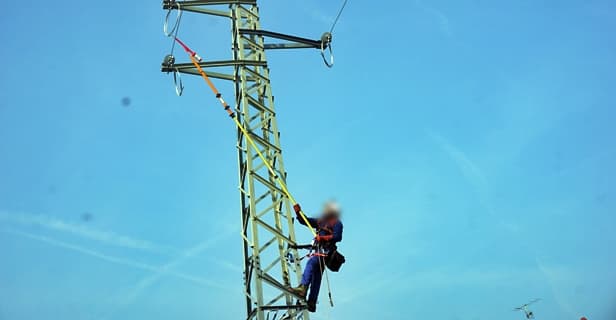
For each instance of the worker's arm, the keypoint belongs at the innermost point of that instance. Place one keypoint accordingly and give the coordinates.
(300, 219)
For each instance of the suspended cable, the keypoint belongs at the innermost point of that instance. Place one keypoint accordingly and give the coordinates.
(326, 39)
(338, 16)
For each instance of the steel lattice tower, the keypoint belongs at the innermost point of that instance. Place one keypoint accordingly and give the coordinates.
(266, 213)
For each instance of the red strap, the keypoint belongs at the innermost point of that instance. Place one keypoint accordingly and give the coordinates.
(192, 53)
(318, 254)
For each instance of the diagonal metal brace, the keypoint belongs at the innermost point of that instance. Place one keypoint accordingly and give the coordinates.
(295, 41)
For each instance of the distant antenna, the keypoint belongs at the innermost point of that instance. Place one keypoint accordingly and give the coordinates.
(524, 308)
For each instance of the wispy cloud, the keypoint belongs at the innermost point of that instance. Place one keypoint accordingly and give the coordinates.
(109, 258)
(227, 265)
(105, 237)
(131, 296)
(556, 278)
(377, 283)
(475, 176)
(316, 13)
(435, 279)
(441, 18)
(451, 277)
(471, 171)
(170, 266)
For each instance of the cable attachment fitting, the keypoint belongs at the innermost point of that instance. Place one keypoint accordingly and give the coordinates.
(326, 44)
(168, 63)
(171, 4)
(326, 39)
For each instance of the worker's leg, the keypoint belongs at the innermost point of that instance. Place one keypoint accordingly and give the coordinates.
(315, 284)
(312, 266)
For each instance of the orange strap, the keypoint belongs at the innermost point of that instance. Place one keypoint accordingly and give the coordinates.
(195, 60)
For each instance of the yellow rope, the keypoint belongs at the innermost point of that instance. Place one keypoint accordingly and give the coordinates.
(251, 142)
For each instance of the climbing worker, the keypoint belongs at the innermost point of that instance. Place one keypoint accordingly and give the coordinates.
(329, 231)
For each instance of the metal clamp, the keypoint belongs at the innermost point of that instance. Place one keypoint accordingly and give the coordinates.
(326, 44)
(168, 63)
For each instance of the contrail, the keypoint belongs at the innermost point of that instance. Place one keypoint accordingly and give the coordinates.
(151, 279)
(112, 259)
(168, 268)
(106, 237)
(552, 278)
(470, 170)
(473, 174)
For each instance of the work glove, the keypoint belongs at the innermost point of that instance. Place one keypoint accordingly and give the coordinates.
(297, 208)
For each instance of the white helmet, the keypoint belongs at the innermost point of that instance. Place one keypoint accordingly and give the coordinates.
(331, 207)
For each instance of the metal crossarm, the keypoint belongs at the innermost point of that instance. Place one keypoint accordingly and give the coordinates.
(295, 42)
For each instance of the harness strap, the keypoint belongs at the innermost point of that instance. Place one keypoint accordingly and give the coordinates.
(327, 226)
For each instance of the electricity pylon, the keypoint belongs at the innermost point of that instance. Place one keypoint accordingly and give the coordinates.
(270, 264)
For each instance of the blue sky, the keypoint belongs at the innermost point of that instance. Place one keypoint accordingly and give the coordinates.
(470, 143)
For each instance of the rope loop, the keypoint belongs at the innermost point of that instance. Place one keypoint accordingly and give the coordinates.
(177, 81)
(166, 31)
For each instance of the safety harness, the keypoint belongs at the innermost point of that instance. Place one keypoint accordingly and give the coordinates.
(332, 258)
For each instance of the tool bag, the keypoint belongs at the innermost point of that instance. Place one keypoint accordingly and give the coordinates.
(334, 260)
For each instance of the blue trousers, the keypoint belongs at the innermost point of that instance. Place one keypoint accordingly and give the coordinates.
(312, 277)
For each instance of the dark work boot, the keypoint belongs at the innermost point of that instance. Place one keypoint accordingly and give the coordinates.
(300, 291)
(312, 306)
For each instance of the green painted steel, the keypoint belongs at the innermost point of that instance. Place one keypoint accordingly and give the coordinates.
(266, 214)
(267, 222)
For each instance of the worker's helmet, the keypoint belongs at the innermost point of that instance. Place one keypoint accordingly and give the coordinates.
(331, 208)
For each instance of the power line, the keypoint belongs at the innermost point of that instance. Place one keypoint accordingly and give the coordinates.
(338, 16)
